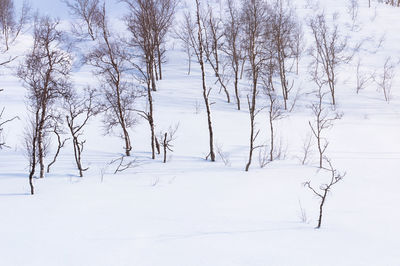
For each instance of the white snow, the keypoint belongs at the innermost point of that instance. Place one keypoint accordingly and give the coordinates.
(190, 211)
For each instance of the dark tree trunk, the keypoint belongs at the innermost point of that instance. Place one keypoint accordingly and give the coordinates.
(165, 145)
(203, 76)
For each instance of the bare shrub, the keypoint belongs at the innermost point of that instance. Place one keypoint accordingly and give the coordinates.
(306, 150)
(79, 109)
(303, 214)
(362, 78)
(122, 165)
(166, 139)
(263, 156)
(225, 156)
(385, 79)
(323, 189)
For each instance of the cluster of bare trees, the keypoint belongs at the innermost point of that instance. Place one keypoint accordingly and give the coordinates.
(45, 73)
(261, 39)
(126, 69)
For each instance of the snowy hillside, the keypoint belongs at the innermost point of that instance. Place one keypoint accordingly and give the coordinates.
(191, 211)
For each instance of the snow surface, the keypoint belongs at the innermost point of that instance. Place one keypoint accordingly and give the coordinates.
(194, 212)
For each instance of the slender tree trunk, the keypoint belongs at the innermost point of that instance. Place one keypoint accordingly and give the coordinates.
(236, 86)
(159, 61)
(189, 60)
(271, 125)
(77, 155)
(41, 154)
(155, 71)
(320, 209)
(33, 165)
(165, 147)
(242, 69)
(153, 82)
(203, 76)
(252, 108)
(60, 145)
(151, 122)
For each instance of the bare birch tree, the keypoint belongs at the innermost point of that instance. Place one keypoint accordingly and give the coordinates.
(324, 117)
(184, 33)
(111, 61)
(163, 19)
(11, 26)
(197, 44)
(253, 22)
(232, 46)
(79, 109)
(329, 49)
(385, 79)
(284, 35)
(45, 73)
(213, 39)
(86, 14)
(141, 24)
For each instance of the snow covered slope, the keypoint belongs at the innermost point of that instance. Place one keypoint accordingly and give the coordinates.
(190, 211)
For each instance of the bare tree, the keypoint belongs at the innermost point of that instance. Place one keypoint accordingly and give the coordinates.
(184, 32)
(324, 117)
(163, 19)
(324, 189)
(86, 14)
(385, 79)
(111, 61)
(362, 78)
(329, 50)
(193, 34)
(166, 139)
(233, 47)
(46, 74)
(253, 22)
(352, 10)
(10, 24)
(140, 22)
(285, 41)
(299, 46)
(11, 27)
(213, 38)
(79, 109)
(30, 138)
(197, 44)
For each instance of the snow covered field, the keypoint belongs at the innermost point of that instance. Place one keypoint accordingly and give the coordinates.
(190, 211)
